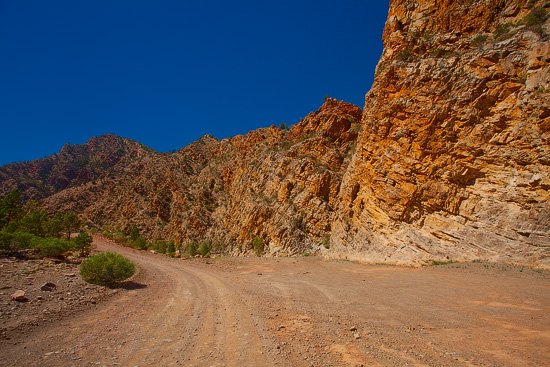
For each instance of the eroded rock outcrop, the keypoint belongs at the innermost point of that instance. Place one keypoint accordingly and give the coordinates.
(453, 158)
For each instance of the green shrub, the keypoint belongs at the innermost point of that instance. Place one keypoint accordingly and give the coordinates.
(435, 262)
(140, 243)
(258, 245)
(405, 54)
(535, 20)
(298, 221)
(216, 247)
(427, 35)
(536, 17)
(171, 249)
(52, 247)
(47, 247)
(8, 242)
(120, 237)
(326, 241)
(160, 246)
(479, 40)
(84, 243)
(502, 31)
(204, 248)
(134, 233)
(285, 145)
(439, 52)
(107, 269)
(192, 249)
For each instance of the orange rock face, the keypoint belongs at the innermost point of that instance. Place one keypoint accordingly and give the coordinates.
(452, 161)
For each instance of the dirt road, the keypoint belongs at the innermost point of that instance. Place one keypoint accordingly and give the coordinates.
(302, 312)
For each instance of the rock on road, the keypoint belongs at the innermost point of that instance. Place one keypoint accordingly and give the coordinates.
(301, 312)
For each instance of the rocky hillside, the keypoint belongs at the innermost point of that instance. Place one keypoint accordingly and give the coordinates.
(275, 184)
(449, 161)
(453, 157)
(73, 166)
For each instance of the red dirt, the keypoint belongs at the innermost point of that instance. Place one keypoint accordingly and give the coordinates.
(301, 312)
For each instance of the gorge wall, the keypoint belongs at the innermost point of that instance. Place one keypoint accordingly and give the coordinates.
(453, 156)
(449, 160)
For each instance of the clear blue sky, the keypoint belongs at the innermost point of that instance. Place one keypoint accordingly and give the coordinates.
(165, 73)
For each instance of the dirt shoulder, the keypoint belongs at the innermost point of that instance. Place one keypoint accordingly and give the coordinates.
(302, 312)
(52, 290)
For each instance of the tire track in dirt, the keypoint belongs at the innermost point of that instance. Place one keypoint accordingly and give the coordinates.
(301, 313)
(181, 316)
(202, 322)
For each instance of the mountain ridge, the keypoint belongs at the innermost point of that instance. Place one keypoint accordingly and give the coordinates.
(72, 165)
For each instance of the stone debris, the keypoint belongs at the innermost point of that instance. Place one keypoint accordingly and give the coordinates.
(19, 296)
(48, 287)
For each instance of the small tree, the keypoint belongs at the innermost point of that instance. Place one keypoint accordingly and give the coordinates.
(54, 227)
(10, 207)
(204, 248)
(161, 246)
(84, 243)
(134, 233)
(258, 244)
(192, 249)
(34, 222)
(107, 269)
(140, 243)
(71, 223)
(51, 247)
(326, 241)
(171, 249)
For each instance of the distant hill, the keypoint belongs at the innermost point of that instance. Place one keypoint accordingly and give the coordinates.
(73, 166)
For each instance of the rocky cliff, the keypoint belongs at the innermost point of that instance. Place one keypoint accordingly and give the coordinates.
(453, 157)
(448, 161)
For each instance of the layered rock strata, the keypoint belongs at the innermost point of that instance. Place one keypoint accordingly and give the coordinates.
(452, 161)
